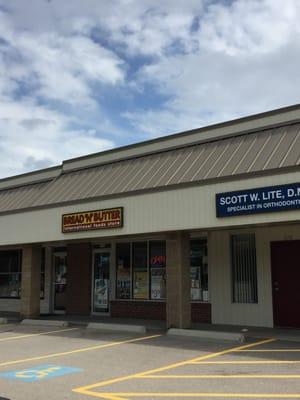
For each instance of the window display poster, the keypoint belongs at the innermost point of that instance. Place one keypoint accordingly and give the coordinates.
(205, 296)
(195, 277)
(101, 293)
(123, 283)
(158, 283)
(140, 289)
(196, 292)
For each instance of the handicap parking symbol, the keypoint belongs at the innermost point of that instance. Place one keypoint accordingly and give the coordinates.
(39, 373)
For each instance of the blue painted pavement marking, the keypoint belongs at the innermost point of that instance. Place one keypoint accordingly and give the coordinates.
(39, 373)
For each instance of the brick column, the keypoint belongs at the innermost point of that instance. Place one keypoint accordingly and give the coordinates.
(31, 281)
(79, 279)
(178, 281)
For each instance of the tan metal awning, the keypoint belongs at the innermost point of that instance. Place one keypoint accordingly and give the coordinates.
(266, 150)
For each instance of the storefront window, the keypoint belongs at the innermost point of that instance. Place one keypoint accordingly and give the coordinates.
(142, 267)
(123, 271)
(199, 270)
(10, 274)
(158, 270)
(140, 270)
(60, 280)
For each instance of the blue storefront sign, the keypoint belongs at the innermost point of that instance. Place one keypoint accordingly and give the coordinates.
(258, 200)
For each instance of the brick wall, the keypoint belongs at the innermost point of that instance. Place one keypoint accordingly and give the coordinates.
(201, 312)
(138, 309)
(79, 278)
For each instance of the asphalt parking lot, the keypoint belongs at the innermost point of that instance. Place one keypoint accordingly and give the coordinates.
(74, 363)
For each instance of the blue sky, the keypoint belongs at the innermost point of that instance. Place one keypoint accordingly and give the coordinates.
(82, 76)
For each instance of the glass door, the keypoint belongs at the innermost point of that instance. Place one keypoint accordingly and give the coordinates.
(60, 282)
(101, 282)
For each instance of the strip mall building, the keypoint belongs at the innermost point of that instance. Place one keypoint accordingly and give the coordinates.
(201, 226)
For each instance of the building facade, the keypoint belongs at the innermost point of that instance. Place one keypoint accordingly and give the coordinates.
(201, 226)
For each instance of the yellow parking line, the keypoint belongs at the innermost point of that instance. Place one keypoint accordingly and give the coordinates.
(244, 362)
(124, 396)
(211, 376)
(84, 349)
(109, 396)
(86, 389)
(268, 350)
(35, 334)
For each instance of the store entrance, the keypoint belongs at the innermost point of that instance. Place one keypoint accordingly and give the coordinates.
(101, 281)
(285, 282)
(59, 282)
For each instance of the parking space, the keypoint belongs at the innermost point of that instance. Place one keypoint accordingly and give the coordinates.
(34, 360)
(263, 369)
(75, 363)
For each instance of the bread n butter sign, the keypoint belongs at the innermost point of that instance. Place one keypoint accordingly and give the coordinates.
(91, 220)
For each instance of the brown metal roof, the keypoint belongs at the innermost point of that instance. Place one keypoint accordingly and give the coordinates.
(274, 148)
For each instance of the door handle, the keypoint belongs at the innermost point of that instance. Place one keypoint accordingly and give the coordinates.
(276, 286)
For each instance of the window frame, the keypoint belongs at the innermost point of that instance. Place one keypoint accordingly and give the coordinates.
(150, 267)
(19, 272)
(134, 270)
(132, 298)
(200, 239)
(117, 271)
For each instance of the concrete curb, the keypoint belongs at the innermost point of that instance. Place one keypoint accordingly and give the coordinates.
(3, 321)
(209, 335)
(44, 322)
(116, 327)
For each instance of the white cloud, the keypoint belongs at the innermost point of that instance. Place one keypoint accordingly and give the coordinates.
(153, 33)
(255, 27)
(36, 70)
(60, 67)
(32, 137)
(156, 123)
(195, 62)
(65, 67)
(138, 26)
(247, 61)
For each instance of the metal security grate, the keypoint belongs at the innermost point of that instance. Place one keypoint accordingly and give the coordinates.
(244, 270)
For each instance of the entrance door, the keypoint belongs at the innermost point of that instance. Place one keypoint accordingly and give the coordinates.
(60, 282)
(101, 282)
(286, 283)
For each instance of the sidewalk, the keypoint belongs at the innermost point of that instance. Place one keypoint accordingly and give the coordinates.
(289, 334)
(84, 320)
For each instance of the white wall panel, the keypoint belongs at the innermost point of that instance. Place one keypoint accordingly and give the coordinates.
(186, 208)
(223, 310)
